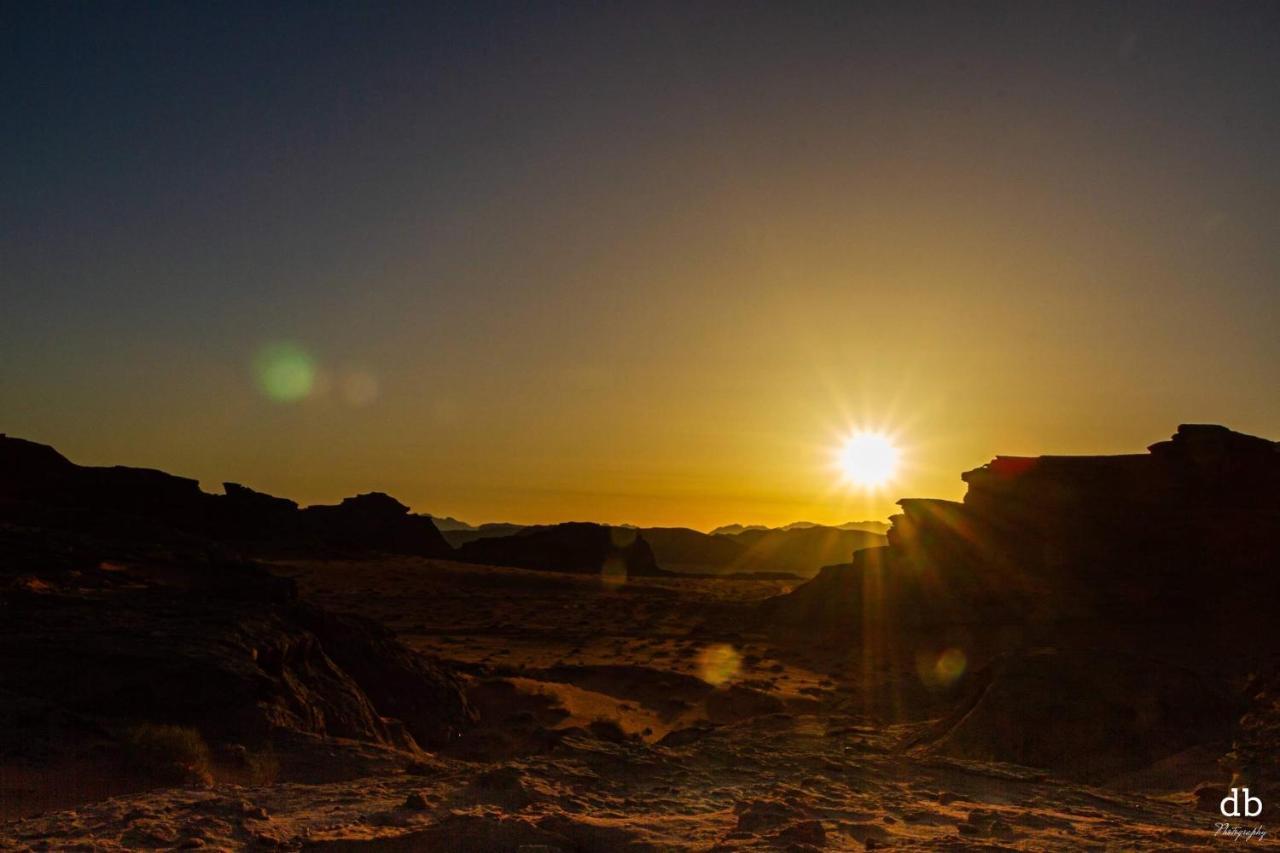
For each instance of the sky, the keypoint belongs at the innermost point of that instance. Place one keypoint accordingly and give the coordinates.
(633, 262)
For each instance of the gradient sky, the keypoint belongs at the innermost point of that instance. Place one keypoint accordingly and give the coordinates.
(635, 262)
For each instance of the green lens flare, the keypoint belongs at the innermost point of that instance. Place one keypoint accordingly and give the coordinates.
(719, 663)
(285, 372)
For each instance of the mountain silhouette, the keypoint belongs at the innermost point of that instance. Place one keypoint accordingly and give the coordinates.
(1171, 555)
(576, 547)
(45, 487)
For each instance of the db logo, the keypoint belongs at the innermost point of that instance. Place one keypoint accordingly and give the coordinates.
(1230, 806)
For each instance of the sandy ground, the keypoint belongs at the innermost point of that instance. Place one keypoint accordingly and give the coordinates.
(627, 715)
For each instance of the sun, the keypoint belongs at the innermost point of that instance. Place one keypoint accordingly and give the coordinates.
(868, 459)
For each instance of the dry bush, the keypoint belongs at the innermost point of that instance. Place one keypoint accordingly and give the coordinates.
(168, 752)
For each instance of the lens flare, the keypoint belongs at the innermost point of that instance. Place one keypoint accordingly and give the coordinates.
(622, 537)
(285, 372)
(613, 572)
(942, 669)
(719, 663)
(951, 665)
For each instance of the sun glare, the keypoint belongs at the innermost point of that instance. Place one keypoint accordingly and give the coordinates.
(868, 459)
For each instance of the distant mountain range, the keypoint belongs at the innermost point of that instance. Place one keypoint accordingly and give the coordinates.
(463, 533)
(869, 526)
(801, 548)
(447, 524)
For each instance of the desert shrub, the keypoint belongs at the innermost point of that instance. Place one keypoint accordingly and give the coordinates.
(263, 767)
(169, 752)
(607, 729)
(235, 762)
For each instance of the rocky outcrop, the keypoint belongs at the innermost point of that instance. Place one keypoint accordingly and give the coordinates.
(41, 487)
(683, 550)
(1084, 714)
(123, 601)
(1185, 534)
(44, 489)
(400, 683)
(1174, 553)
(149, 643)
(375, 521)
(250, 516)
(575, 547)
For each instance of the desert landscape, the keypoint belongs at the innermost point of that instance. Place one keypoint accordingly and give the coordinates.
(563, 427)
(188, 670)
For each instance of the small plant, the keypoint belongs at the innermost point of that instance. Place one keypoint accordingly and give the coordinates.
(263, 767)
(234, 762)
(168, 752)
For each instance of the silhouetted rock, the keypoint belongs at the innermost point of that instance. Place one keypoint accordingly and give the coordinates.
(575, 547)
(43, 489)
(121, 605)
(247, 515)
(1088, 715)
(799, 549)
(399, 682)
(1185, 532)
(683, 550)
(1174, 552)
(829, 602)
(376, 521)
(223, 648)
(31, 470)
(40, 486)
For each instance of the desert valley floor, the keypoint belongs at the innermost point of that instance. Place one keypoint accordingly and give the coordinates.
(626, 714)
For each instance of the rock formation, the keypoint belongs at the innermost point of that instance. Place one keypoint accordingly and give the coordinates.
(250, 516)
(799, 549)
(683, 550)
(151, 646)
(1184, 532)
(42, 486)
(1109, 608)
(375, 521)
(1089, 715)
(575, 547)
(125, 602)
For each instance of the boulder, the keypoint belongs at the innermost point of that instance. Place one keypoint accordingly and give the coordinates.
(400, 683)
